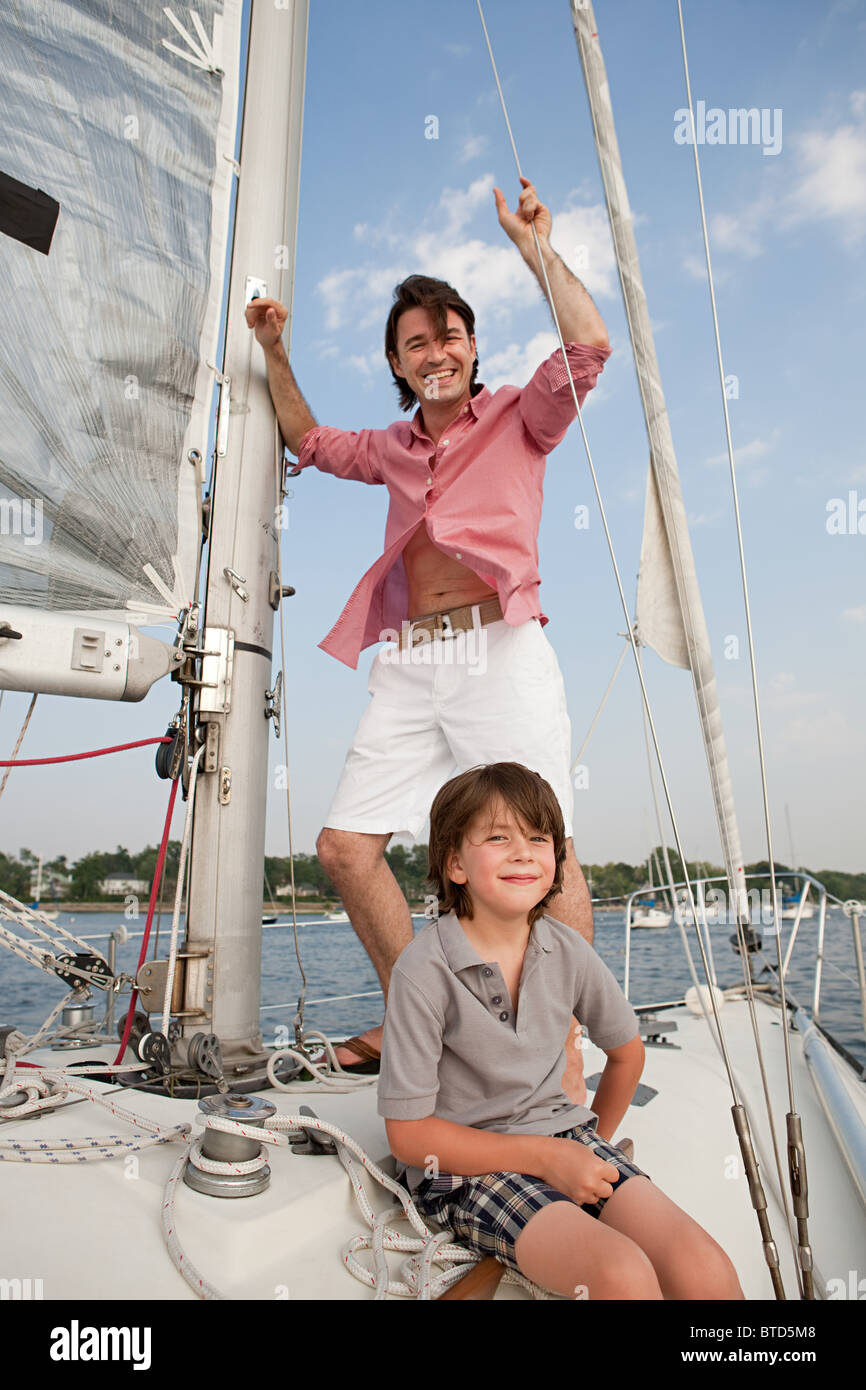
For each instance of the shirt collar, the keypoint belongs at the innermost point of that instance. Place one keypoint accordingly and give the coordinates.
(474, 407)
(460, 953)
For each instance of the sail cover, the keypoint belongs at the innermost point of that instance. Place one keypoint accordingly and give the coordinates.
(119, 121)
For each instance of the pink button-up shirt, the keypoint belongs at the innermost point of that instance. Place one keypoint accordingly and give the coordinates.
(478, 492)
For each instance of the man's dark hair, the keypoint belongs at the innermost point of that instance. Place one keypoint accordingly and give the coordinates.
(437, 297)
(482, 791)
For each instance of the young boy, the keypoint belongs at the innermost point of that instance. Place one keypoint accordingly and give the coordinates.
(473, 1058)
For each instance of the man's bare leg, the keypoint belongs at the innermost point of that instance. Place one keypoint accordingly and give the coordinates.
(573, 907)
(377, 909)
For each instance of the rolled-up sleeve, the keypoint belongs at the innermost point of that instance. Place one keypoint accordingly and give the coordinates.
(411, 1048)
(546, 402)
(344, 453)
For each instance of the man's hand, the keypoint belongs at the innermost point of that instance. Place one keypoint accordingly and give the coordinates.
(518, 225)
(267, 317)
(573, 1168)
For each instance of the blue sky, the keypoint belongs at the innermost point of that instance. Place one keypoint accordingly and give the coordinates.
(379, 200)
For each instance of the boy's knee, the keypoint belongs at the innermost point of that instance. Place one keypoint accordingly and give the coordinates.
(629, 1276)
(713, 1273)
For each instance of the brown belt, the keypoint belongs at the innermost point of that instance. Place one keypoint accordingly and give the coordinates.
(449, 621)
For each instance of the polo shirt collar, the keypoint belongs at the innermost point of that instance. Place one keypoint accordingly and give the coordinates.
(477, 405)
(460, 953)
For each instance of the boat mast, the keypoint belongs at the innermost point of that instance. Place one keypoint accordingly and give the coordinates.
(665, 492)
(222, 980)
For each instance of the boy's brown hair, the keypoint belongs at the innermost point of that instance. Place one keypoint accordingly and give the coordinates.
(476, 792)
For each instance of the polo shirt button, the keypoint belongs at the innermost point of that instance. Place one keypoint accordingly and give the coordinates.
(429, 480)
(503, 1017)
(458, 555)
(487, 970)
(497, 999)
(445, 443)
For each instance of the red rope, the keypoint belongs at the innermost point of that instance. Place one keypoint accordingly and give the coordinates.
(154, 893)
(74, 757)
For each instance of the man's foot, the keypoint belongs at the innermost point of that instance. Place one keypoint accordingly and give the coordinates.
(361, 1054)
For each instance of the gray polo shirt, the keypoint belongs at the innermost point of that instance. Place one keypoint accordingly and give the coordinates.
(452, 1046)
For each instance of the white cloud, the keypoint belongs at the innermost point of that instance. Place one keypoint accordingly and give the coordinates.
(472, 147)
(490, 275)
(829, 185)
(833, 181)
(855, 615)
(514, 365)
(748, 453)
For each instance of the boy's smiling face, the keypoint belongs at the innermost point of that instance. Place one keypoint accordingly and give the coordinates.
(507, 869)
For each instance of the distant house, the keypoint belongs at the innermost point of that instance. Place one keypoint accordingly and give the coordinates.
(302, 890)
(123, 883)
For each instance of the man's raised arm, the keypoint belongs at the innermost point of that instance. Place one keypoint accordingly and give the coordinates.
(579, 319)
(268, 319)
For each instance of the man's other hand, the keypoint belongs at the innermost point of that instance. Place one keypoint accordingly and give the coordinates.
(267, 317)
(518, 225)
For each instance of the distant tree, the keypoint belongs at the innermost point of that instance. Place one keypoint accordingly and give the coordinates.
(14, 877)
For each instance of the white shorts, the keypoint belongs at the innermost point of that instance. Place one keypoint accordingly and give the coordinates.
(490, 695)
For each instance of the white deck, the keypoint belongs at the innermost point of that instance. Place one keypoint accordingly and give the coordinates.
(93, 1231)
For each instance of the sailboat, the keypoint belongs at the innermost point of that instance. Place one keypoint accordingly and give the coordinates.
(316, 1213)
(642, 910)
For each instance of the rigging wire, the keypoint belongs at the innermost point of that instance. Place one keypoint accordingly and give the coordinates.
(796, 1153)
(9, 766)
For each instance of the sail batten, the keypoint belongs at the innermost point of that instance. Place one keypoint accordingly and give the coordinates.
(669, 612)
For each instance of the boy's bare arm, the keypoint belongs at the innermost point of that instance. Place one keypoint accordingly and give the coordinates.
(621, 1074)
(571, 1168)
(267, 318)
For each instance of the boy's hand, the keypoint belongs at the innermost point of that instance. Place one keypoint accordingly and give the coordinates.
(574, 1169)
(268, 318)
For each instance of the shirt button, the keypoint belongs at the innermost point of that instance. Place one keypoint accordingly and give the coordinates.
(458, 555)
(487, 970)
(445, 443)
(429, 480)
(497, 999)
(503, 1016)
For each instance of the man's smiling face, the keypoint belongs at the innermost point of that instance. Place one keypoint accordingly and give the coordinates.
(435, 371)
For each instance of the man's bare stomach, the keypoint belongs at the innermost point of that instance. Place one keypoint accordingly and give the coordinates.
(436, 581)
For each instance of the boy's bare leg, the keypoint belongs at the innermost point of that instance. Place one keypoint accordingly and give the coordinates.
(686, 1259)
(377, 909)
(566, 1250)
(573, 907)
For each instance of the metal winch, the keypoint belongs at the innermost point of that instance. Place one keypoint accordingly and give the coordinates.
(231, 1148)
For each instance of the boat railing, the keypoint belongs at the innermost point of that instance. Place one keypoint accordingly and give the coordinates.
(708, 905)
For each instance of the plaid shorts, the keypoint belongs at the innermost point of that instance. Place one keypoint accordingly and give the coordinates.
(488, 1213)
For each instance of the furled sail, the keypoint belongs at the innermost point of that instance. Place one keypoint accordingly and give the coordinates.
(117, 138)
(669, 613)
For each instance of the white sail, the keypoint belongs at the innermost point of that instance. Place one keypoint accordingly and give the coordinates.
(670, 615)
(125, 128)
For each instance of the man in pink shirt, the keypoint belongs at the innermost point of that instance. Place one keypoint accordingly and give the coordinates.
(455, 592)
